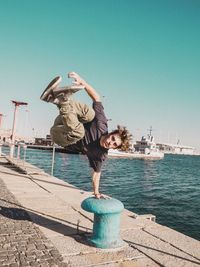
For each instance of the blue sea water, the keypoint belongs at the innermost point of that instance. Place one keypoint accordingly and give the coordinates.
(168, 188)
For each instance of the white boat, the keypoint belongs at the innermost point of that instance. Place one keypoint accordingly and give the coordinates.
(147, 146)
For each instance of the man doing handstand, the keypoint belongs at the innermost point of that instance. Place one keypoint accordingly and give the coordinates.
(81, 128)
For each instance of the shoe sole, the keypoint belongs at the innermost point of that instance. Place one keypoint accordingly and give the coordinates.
(49, 89)
(71, 89)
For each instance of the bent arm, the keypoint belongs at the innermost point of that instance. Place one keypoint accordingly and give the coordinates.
(88, 88)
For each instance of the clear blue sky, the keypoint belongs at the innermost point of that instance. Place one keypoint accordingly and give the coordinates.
(143, 56)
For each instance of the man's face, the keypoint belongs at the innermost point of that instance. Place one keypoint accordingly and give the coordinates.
(112, 141)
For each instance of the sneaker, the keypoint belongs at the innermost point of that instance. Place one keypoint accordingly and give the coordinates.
(48, 95)
(62, 94)
(67, 90)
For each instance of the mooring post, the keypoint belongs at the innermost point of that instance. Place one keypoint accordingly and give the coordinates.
(106, 227)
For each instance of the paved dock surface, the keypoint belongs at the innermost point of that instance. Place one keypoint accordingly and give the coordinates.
(42, 224)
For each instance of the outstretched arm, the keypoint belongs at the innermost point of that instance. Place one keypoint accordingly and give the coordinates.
(95, 182)
(88, 88)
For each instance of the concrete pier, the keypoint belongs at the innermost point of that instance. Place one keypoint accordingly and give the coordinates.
(42, 224)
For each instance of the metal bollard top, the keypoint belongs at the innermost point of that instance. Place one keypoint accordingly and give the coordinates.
(102, 206)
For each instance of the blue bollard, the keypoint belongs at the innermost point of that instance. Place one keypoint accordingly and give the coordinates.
(106, 221)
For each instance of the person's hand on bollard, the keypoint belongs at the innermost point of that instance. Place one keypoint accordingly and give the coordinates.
(101, 196)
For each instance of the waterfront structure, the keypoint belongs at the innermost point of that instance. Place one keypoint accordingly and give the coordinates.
(175, 149)
(40, 141)
(5, 137)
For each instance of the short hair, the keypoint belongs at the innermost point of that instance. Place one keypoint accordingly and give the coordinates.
(126, 137)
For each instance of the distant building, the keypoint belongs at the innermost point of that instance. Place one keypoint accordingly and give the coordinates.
(176, 149)
(5, 135)
(40, 141)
